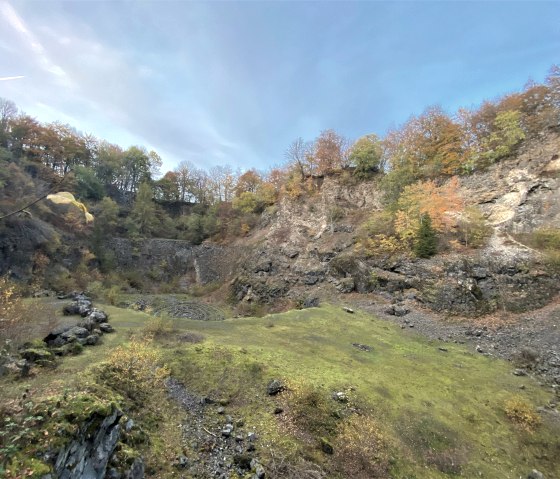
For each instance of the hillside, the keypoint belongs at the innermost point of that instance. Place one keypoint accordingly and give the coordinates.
(386, 307)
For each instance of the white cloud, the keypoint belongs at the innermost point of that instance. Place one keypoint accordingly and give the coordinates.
(16, 22)
(19, 77)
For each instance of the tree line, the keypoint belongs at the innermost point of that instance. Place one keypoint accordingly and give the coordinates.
(429, 147)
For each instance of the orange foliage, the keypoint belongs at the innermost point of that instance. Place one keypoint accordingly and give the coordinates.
(425, 197)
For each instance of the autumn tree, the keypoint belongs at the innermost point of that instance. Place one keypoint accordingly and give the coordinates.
(167, 188)
(248, 182)
(222, 181)
(330, 151)
(506, 135)
(426, 146)
(185, 181)
(441, 203)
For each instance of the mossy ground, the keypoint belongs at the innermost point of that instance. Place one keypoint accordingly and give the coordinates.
(438, 413)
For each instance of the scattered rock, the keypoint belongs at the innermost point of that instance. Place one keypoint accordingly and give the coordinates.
(274, 387)
(311, 303)
(397, 310)
(326, 446)
(443, 349)
(340, 397)
(362, 347)
(519, 372)
(258, 468)
(348, 310)
(534, 474)
(221, 410)
(346, 285)
(182, 462)
(91, 340)
(136, 471)
(98, 316)
(106, 328)
(88, 454)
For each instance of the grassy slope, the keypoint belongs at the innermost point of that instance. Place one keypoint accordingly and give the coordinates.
(421, 394)
(424, 399)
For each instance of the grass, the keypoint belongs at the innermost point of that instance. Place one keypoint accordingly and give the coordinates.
(437, 414)
(437, 407)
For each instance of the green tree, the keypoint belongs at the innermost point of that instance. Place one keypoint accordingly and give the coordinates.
(506, 135)
(143, 217)
(107, 215)
(426, 240)
(366, 156)
(88, 186)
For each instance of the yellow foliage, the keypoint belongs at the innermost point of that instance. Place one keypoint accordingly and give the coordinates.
(361, 448)
(441, 203)
(522, 413)
(134, 369)
(157, 326)
(65, 198)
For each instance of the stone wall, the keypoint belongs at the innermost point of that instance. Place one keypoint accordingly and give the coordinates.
(204, 263)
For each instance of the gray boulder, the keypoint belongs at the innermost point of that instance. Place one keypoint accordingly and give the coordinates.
(274, 387)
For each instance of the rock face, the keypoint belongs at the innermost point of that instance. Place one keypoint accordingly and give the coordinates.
(307, 246)
(201, 264)
(521, 194)
(87, 456)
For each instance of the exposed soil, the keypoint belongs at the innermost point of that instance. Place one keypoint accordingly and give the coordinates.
(215, 444)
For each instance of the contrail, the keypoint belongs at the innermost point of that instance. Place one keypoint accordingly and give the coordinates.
(11, 78)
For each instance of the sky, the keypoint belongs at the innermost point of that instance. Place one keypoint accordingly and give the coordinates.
(236, 82)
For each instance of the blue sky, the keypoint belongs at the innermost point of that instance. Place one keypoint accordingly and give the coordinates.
(236, 82)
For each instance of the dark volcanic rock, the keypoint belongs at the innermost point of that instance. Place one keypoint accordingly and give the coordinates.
(274, 387)
(87, 456)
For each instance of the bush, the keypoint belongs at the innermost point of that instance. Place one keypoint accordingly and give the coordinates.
(521, 413)
(20, 320)
(157, 326)
(472, 228)
(545, 239)
(134, 370)
(360, 449)
(112, 295)
(312, 410)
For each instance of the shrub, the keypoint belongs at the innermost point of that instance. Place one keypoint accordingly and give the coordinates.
(360, 449)
(521, 413)
(134, 370)
(20, 320)
(472, 228)
(157, 326)
(312, 410)
(112, 295)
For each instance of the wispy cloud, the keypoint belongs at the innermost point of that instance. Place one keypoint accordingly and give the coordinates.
(19, 77)
(17, 23)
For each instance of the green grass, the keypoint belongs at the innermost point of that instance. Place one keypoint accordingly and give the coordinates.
(434, 408)
(429, 401)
